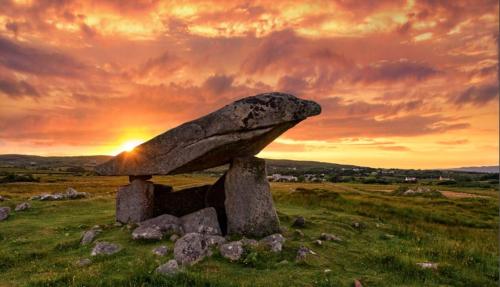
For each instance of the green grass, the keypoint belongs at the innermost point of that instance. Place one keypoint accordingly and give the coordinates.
(39, 247)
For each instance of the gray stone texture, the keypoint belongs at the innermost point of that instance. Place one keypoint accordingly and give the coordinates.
(135, 202)
(249, 203)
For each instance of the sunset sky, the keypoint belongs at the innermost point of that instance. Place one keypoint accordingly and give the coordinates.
(409, 84)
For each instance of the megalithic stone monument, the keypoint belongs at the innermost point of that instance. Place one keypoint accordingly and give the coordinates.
(231, 135)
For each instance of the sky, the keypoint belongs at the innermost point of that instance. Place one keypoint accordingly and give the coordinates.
(407, 84)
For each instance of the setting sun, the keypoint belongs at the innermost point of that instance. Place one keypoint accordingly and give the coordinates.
(129, 145)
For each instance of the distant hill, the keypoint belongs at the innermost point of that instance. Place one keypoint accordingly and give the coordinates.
(481, 169)
(20, 161)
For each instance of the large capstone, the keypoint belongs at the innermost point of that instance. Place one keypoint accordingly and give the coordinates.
(249, 204)
(240, 129)
(135, 202)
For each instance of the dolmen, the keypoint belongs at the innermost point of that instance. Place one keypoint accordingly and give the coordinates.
(231, 135)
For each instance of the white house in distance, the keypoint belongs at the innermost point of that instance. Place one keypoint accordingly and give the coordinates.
(279, 177)
(410, 179)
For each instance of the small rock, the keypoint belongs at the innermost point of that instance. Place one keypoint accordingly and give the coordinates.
(299, 222)
(72, 193)
(170, 268)
(298, 233)
(318, 242)
(282, 262)
(118, 224)
(274, 242)
(357, 283)
(4, 213)
(330, 237)
(174, 237)
(327, 270)
(166, 223)
(202, 221)
(358, 225)
(249, 242)
(83, 262)
(131, 226)
(147, 233)
(388, 236)
(214, 240)
(22, 206)
(232, 250)
(191, 248)
(89, 236)
(160, 250)
(428, 265)
(105, 248)
(302, 253)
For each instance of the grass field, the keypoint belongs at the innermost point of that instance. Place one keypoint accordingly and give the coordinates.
(39, 247)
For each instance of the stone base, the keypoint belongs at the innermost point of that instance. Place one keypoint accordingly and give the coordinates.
(135, 201)
(249, 204)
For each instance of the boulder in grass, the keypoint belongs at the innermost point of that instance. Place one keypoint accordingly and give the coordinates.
(303, 253)
(299, 222)
(22, 206)
(168, 269)
(202, 221)
(274, 242)
(4, 213)
(89, 236)
(214, 240)
(105, 248)
(160, 250)
(191, 248)
(330, 237)
(72, 193)
(428, 265)
(147, 233)
(232, 250)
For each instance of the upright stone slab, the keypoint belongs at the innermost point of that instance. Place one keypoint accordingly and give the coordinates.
(249, 204)
(135, 201)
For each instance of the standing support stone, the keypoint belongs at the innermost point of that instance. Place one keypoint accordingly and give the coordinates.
(135, 201)
(249, 204)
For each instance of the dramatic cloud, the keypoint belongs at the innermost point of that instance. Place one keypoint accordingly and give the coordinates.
(415, 81)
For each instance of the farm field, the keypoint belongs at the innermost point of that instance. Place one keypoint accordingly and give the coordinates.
(384, 236)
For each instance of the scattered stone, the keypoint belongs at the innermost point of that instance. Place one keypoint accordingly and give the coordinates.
(240, 129)
(174, 237)
(89, 236)
(282, 262)
(302, 253)
(202, 221)
(299, 222)
(118, 224)
(428, 265)
(164, 224)
(232, 250)
(214, 240)
(191, 248)
(72, 193)
(388, 236)
(274, 242)
(298, 232)
(135, 202)
(105, 248)
(330, 237)
(418, 190)
(4, 213)
(83, 262)
(23, 206)
(318, 242)
(249, 204)
(147, 233)
(357, 283)
(249, 242)
(170, 268)
(327, 270)
(160, 250)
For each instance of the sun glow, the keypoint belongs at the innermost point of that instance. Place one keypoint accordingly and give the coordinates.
(129, 145)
